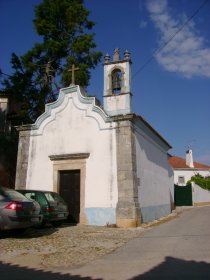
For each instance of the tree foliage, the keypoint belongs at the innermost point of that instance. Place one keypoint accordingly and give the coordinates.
(66, 40)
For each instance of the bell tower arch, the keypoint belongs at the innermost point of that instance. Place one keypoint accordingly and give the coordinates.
(117, 84)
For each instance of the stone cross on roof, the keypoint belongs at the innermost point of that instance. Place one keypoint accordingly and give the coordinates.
(72, 70)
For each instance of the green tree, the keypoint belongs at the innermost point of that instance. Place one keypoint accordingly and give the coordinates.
(66, 40)
(21, 88)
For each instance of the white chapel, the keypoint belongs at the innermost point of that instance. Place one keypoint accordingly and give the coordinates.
(107, 162)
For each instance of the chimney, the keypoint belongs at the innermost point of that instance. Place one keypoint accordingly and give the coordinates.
(189, 158)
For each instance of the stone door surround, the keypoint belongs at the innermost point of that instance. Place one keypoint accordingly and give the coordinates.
(71, 162)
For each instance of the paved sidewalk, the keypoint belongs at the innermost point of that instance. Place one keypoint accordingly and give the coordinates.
(179, 249)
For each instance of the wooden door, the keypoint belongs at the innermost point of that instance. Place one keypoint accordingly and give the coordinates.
(70, 191)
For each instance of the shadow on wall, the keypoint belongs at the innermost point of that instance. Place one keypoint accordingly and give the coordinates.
(153, 155)
(177, 269)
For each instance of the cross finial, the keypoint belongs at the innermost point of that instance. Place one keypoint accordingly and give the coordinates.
(72, 70)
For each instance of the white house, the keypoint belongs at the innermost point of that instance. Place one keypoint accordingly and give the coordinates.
(108, 163)
(184, 169)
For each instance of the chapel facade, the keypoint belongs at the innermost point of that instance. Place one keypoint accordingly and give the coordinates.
(108, 163)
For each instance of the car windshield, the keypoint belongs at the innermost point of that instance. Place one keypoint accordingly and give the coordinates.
(52, 197)
(12, 194)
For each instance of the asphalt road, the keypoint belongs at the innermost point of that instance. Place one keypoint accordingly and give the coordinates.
(178, 249)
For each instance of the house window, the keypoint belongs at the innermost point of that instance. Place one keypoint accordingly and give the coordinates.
(181, 180)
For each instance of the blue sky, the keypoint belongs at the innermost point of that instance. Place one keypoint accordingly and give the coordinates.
(172, 91)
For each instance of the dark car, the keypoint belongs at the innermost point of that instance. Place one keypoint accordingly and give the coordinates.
(54, 208)
(16, 211)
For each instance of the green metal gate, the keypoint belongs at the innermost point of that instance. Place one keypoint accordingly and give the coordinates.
(183, 195)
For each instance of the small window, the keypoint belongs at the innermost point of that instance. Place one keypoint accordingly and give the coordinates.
(181, 180)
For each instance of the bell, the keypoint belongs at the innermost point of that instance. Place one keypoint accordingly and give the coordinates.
(116, 81)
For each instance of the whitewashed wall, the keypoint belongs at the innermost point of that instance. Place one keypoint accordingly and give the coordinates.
(155, 176)
(3, 104)
(200, 195)
(76, 125)
(188, 173)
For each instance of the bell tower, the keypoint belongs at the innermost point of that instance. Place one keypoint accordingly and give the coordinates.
(117, 84)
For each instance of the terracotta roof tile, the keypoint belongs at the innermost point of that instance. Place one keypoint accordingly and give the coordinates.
(177, 162)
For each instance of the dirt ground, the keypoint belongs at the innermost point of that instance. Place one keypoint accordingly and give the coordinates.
(67, 246)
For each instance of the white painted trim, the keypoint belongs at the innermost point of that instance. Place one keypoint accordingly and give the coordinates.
(74, 93)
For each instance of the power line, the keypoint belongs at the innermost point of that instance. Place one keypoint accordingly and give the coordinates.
(2, 73)
(170, 39)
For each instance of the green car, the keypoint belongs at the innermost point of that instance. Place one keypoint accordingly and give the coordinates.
(54, 208)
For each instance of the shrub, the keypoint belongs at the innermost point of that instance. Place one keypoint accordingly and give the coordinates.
(203, 182)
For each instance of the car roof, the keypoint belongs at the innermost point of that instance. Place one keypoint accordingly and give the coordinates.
(36, 191)
(6, 188)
